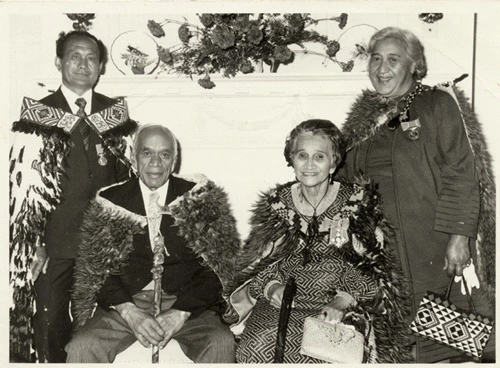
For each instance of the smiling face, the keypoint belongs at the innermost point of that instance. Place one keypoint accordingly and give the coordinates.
(312, 159)
(79, 66)
(390, 69)
(154, 156)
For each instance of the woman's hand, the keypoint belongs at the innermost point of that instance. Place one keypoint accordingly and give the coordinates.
(275, 294)
(457, 255)
(335, 310)
(329, 313)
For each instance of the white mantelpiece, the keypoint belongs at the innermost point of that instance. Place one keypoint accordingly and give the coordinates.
(235, 132)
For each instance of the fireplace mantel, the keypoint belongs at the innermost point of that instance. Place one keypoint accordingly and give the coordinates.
(235, 132)
(255, 84)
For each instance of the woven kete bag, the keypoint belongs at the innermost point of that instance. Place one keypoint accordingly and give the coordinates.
(440, 320)
(332, 342)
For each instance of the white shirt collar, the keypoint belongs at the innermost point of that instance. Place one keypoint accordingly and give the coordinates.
(71, 97)
(162, 191)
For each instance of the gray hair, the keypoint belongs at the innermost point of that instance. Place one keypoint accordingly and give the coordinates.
(413, 47)
(164, 129)
(322, 127)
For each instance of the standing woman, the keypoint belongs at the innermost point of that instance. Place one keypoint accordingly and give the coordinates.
(428, 155)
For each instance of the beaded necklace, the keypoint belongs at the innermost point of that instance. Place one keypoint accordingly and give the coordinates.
(403, 116)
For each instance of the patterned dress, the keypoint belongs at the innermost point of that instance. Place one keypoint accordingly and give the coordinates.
(317, 281)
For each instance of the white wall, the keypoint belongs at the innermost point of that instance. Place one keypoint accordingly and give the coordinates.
(235, 132)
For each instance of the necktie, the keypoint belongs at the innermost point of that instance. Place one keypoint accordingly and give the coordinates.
(154, 217)
(83, 126)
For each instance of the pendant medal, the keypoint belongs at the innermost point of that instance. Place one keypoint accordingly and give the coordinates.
(102, 160)
(413, 134)
(413, 128)
(102, 156)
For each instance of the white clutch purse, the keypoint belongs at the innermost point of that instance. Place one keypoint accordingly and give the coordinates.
(332, 342)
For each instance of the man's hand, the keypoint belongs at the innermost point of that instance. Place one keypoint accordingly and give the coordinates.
(144, 326)
(40, 262)
(171, 321)
(457, 255)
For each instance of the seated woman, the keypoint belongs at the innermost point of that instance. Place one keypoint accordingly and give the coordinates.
(332, 238)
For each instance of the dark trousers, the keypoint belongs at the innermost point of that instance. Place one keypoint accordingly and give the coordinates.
(204, 339)
(52, 322)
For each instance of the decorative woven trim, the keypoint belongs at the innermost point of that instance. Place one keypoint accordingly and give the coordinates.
(48, 117)
(109, 118)
(41, 143)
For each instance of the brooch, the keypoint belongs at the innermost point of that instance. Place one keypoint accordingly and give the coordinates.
(100, 153)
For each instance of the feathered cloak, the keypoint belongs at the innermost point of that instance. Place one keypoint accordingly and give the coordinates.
(276, 232)
(370, 111)
(205, 221)
(41, 142)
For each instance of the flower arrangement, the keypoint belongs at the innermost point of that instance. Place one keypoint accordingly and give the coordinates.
(430, 17)
(81, 21)
(242, 43)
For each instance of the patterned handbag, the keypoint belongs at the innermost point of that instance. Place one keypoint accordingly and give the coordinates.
(440, 320)
(332, 342)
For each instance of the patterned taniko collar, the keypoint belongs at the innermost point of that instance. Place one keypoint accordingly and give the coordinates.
(35, 112)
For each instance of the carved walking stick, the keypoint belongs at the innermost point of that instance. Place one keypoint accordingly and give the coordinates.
(286, 307)
(157, 271)
(155, 212)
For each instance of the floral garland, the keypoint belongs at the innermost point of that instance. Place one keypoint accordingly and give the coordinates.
(237, 43)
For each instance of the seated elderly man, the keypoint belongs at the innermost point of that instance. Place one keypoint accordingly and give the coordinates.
(152, 238)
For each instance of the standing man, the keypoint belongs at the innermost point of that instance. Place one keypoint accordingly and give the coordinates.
(66, 146)
(115, 264)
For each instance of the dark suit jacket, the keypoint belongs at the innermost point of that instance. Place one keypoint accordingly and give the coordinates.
(197, 287)
(83, 176)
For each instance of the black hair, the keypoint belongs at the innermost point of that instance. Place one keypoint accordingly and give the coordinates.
(65, 37)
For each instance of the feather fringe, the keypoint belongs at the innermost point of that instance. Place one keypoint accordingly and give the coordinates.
(205, 221)
(36, 163)
(106, 242)
(272, 238)
(362, 123)
(391, 307)
(486, 242)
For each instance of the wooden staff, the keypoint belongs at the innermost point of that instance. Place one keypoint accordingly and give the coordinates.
(286, 308)
(157, 271)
